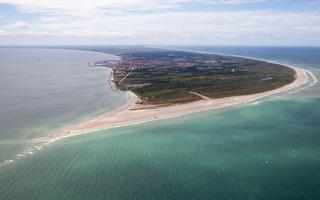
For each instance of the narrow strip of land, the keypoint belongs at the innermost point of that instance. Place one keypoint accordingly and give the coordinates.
(120, 82)
(201, 96)
(127, 115)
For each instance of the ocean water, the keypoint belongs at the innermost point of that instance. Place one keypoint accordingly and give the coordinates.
(43, 90)
(269, 150)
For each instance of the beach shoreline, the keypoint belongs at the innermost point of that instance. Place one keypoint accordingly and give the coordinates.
(129, 115)
(126, 115)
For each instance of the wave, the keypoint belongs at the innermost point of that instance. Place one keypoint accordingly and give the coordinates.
(39, 144)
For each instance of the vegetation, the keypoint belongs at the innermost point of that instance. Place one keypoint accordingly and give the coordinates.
(166, 77)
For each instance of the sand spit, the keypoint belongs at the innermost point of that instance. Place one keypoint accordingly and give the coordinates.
(128, 115)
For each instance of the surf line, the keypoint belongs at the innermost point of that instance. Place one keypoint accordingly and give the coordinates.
(39, 143)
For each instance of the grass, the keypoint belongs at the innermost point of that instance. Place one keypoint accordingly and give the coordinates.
(169, 84)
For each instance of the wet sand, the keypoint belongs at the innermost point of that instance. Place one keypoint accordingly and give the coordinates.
(128, 115)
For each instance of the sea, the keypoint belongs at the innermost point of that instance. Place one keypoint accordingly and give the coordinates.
(267, 149)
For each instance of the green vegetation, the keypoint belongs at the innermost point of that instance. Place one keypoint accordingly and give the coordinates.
(167, 77)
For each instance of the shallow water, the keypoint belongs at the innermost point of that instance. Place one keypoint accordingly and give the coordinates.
(42, 90)
(247, 153)
(269, 150)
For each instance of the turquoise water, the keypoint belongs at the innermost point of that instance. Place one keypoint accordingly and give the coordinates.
(269, 150)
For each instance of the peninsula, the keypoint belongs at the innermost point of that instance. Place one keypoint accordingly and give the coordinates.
(165, 83)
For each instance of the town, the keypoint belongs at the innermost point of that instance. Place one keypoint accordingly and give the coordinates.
(163, 77)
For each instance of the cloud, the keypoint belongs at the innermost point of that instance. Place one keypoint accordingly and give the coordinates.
(223, 27)
(20, 25)
(224, 1)
(76, 7)
(110, 22)
(16, 28)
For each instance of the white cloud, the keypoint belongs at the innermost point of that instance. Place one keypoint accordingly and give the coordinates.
(78, 7)
(222, 1)
(108, 22)
(243, 27)
(19, 25)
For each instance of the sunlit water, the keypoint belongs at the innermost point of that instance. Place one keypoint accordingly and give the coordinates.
(269, 150)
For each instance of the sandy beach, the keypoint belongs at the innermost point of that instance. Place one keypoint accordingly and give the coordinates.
(128, 115)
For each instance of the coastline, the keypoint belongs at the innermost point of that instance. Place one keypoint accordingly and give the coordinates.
(128, 115)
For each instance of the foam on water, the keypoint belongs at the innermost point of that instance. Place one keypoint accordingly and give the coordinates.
(43, 90)
(42, 142)
(268, 151)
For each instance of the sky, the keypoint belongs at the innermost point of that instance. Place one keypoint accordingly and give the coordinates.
(160, 22)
